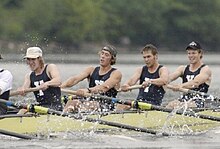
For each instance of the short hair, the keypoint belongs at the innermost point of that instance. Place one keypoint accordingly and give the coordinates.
(150, 47)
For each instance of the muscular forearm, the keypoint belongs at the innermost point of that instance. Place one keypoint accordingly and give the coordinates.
(190, 84)
(159, 82)
(53, 82)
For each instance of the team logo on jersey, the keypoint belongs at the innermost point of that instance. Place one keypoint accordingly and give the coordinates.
(99, 82)
(190, 77)
(147, 88)
(37, 84)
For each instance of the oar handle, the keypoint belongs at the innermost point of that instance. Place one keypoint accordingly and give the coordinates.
(184, 90)
(74, 92)
(28, 90)
(132, 87)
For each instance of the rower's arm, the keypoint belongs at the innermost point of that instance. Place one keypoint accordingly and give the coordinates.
(203, 77)
(134, 78)
(177, 73)
(112, 82)
(163, 79)
(132, 81)
(27, 81)
(54, 75)
(77, 78)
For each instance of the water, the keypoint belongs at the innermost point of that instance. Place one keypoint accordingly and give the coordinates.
(125, 139)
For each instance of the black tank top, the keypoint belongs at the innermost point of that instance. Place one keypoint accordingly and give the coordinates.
(51, 97)
(96, 79)
(152, 94)
(189, 75)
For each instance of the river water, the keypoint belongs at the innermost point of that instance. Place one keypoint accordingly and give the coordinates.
(126, 139)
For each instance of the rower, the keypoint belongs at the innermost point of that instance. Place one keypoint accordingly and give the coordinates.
(44, 76)
(5, 87)
(196, 76)
(152, 76)
(103, 79)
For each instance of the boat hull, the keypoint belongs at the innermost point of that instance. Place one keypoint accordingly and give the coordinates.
(154, 120)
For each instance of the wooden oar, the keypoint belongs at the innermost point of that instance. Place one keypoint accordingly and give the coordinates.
(132, 87)
(205, 95)
(43, 110)
(15, 93)
(146, 106)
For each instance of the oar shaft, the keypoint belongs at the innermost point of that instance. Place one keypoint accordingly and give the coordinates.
(129, 127)
(15, 93)
(12, 104)
(132, 87)
(13, 134)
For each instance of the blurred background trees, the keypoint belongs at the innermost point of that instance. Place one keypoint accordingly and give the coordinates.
(76, 25)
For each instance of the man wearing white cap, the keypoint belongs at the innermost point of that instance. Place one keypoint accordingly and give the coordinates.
(5, 87)
(46, 77)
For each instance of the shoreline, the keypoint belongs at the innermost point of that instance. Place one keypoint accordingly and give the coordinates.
(168, 58)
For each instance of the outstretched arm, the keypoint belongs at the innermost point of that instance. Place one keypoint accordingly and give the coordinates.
(133, 80)
(203, 77)
(163, 79)
(112, 82)
(177, 73)
(77, 78)
(54, 75)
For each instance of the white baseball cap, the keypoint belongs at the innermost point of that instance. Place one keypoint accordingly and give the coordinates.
(33, 52)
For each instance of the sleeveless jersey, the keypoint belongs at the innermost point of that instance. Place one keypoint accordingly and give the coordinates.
(51, 97)
(96, 79)
(188, 76)
(152, 94)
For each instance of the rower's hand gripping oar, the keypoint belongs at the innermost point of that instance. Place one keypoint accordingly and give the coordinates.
(144, 106)
(204, 95)
(43, 110)
(28, 90)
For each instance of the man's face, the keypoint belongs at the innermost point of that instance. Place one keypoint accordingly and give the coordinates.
(33, 63)
(194, 56)
(105, 58)
(149, 58)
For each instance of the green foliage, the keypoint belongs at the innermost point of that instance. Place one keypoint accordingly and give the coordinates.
(165, 23)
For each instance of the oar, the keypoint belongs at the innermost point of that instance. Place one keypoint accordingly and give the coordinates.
(145, 106)
(28, 90)
(207, 96)
(132, 87)
(43, 110)
(14, 134)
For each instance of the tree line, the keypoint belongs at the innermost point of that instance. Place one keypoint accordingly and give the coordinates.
(169, 24)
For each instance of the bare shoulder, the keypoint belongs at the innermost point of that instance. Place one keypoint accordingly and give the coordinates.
(117, 72)
(89, 69)
(181, 67)
(206, 69)
(138, 69)
(164, 68)
(51, 66)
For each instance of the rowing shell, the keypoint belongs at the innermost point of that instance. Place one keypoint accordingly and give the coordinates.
(155, 120)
